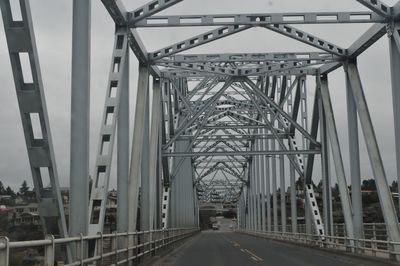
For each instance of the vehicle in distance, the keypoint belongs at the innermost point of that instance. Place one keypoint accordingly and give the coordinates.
(215, 227)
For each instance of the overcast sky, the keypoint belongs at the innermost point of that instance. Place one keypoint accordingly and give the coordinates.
(53, 24)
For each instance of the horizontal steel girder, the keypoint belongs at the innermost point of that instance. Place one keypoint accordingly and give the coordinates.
(264, 18)
(241, 153)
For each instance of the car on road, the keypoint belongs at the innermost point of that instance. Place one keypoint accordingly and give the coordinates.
(215, 227)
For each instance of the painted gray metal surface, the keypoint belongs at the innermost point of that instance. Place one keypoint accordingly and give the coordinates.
(21, 41)
(214, 142)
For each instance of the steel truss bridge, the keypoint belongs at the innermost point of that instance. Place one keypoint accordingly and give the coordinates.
(225, 128)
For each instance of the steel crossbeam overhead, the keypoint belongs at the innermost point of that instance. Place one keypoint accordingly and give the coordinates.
(196, 41)
(378, 16)
(150, 9)
(247, 57)
(239, 153)
(378, 7)
(307, 38)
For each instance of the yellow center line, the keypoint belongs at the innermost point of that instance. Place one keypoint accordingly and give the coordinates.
(254, 255)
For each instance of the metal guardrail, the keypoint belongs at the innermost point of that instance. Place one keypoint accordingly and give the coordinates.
(372, 246)
(111, 249)
(371, 230)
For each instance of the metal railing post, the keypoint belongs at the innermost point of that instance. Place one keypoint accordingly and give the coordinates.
(4, 250)
(79, 250)
(49, 251)
(115, 246)
(100, 247)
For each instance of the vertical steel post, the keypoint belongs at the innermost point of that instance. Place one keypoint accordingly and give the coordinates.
(325, 171)
(283, 191)
(262, 176)
(354, 151)
(385, 196)
(80, 118)
(274, 188)
(144, 175)
(137, 147)
(258, 182)
(153, 153)
(293, 199)
(268, 185)
(337, 156)
(123, 150)
(4, 252)
(395, 78)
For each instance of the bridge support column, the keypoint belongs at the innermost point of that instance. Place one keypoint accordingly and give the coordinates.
(356, 197)
(251, 195)
(337, 156)
(144, 175)
(268, 185)
(262, 177)
(274, 188)
(283, 191)
(153, 154)
(123, 151)
(385, 196)
(80, 118)
(182, 193)
(394, 45)
(257, 173)
(137, 147)
(325, 170)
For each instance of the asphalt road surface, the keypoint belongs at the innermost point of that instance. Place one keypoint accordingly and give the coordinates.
(216, 248)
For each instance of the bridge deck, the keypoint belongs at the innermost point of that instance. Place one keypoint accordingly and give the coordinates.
(227, 248)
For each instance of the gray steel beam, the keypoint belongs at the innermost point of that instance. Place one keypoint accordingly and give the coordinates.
(354, 159)
(378, 7)
(119, 14)
(238, 153)
(247, 57)
(137, 147)
(102, 169)
(337, 156)
(35, 119)
(80, 117)
(307, 38)
(274, 188)
(372, 35)
(144, 170)
(325, 170)
(149, 9)
(282, 191)
(263, 19)
(262, 177)
(387, 205)
(395, 79)
(196, 41)
(279, 110)
(123, 150)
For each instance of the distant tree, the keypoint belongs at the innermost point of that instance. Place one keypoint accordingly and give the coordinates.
(2, 189)
(24, 188)
(368, 185)
(394, 187)
(9, 191)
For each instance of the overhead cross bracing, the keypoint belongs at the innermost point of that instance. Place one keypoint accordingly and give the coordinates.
(211, 127)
